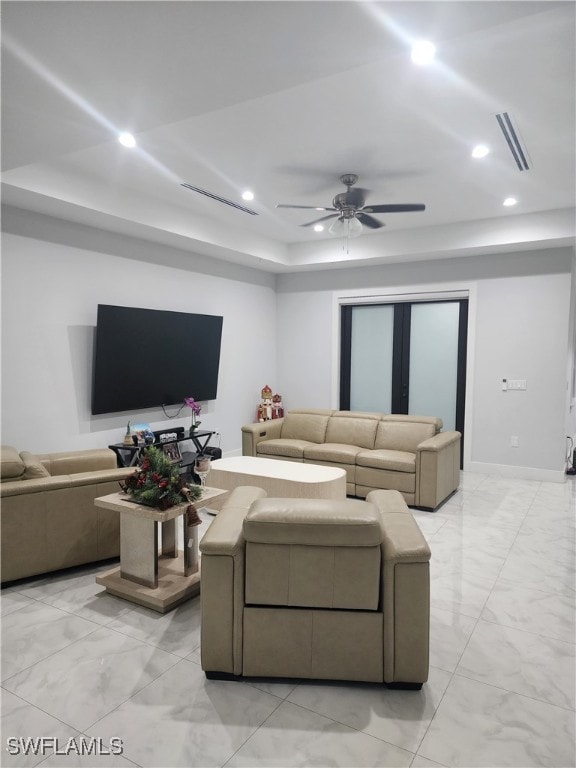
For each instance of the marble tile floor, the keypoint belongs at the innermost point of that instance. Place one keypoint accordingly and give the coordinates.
(80, 664)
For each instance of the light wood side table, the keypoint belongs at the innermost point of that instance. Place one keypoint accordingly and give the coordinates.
(160, 581)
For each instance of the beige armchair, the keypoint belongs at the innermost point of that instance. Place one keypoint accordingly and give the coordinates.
(312, 588)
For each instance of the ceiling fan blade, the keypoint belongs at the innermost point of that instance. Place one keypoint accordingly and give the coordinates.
(369, 221)
(324, 218)
(395, 208)
(307, 207)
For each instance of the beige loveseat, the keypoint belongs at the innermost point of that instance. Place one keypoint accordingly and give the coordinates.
(397, 452)
(48, 519)
(316, 588)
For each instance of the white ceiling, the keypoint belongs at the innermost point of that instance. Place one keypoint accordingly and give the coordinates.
(284, 97)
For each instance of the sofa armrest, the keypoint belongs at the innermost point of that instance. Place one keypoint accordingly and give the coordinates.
(252, 434)
(388, 501)
(405, 599)
(439, 442)
(437, 469)
(225, 536)
(222, 594)
(403, 541)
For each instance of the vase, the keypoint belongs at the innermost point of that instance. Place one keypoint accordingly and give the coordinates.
(202, 468)
(194, 425)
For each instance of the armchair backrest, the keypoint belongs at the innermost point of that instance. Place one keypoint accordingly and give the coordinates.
(313, 553)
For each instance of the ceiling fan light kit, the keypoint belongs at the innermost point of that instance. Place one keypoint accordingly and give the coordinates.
(345, 227)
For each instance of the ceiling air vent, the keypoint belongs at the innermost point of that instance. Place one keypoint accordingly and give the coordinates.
(512, 140)
(231, 203)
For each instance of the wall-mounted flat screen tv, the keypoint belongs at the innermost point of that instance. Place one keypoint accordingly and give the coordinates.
(147, 358)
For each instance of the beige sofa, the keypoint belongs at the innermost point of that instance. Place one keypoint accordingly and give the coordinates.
(48, 519)
(316, 588)
(397, 452)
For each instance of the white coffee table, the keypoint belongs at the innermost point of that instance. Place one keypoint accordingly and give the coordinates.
(284, 479)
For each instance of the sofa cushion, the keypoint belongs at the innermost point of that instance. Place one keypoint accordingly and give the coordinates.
(304, 426)
(11, 465)
(33, 466)
(289, 448)
(351, 431)
(335, 452)
(382, 458)
(402, 436)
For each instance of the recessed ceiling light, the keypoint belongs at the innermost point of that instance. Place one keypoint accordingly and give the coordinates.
(318, 227)
(247, 195)
(480, 150)
(510, 201)
(127, 140)
(423, 52)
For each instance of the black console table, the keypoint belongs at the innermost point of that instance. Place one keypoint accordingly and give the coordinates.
(128, 455)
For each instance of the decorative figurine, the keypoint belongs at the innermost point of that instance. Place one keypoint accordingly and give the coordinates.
(277, 407)
(128, 437)
(266, 395)
(270, 407)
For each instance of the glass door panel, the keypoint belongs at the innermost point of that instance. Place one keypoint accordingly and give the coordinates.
(434, 360)
(372, 337)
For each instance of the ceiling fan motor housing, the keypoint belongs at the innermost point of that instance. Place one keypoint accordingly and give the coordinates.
(351, 199)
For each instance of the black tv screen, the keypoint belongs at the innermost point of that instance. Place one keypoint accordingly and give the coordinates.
(146, 358)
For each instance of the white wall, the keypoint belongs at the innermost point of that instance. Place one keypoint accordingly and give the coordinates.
(50, 293)
(521, 333)
(518, 328)
(305, 357)
(282, 332)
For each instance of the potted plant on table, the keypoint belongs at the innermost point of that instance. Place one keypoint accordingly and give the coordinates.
(196, 408)
(157, 482)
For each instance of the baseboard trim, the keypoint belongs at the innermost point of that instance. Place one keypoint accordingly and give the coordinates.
(231, 454)
(519, 473)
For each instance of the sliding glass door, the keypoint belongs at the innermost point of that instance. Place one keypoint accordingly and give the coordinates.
(407, 357)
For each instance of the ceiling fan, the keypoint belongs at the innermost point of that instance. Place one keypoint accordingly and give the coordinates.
(351, 211)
